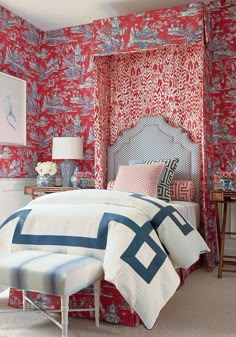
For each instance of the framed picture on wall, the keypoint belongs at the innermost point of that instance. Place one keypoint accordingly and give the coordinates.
(12, 110)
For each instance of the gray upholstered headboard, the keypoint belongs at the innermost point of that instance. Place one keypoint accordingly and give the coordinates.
(153, 139)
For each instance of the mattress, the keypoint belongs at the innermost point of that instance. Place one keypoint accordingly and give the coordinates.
(190, 210)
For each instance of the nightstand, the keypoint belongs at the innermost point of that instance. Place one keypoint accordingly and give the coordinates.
(36, 191)
(223, 197)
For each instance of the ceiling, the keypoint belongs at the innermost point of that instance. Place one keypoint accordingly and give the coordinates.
(55, 14)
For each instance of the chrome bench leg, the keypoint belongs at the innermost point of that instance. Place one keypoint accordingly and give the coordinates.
(64, 315)
(96, 289)
(24, 302)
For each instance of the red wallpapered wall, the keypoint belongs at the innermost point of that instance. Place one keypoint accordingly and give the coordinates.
(60, 78)
(220, 102)
(223, 52)
(65, 67)
(20, 57)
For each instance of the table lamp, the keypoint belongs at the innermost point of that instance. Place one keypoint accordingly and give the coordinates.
(67, 148)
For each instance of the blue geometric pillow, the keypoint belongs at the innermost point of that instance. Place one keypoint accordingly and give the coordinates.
(163, 189)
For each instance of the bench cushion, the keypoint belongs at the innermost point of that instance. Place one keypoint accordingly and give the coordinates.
(48, 272)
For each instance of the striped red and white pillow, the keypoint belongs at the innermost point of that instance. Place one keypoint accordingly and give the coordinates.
(183, 190)
(141, 179)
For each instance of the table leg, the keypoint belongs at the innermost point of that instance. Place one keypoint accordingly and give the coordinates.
(218, 226)
(222, 243)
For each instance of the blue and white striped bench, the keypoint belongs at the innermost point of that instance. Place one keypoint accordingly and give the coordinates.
(52, 273)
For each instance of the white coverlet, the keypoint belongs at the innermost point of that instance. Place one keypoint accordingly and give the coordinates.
(189, 209)
(137, 237)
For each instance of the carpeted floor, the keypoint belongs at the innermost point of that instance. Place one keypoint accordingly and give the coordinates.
(204, 307)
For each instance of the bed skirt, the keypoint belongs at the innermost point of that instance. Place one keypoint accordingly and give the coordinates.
(113, 308)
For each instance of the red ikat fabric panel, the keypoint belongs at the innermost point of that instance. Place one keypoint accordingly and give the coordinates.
(167, 81)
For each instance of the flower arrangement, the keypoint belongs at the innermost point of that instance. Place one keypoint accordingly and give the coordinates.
(47, 168)
(226, 175)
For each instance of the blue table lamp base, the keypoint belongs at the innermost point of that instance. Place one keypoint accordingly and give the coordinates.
(67, 171)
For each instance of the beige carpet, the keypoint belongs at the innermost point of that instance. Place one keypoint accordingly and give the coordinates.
(204, 307)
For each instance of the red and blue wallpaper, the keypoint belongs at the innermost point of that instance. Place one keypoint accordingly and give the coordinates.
(66, 89)
(19, 57)
(219, 105)
(223, 52)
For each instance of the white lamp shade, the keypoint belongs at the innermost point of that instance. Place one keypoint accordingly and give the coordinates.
(67, 148)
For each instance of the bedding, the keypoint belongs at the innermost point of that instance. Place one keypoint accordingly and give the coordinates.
(189, 209)
(137, 237)
(138, 178)
(163, 190)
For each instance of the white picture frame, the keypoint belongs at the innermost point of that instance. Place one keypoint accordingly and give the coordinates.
(12, 110)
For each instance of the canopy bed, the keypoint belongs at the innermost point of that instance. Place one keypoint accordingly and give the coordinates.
(151, 139)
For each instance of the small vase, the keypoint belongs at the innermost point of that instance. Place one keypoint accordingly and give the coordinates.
(46, 181)
(226, 184)
(83, 183)
(232, 185)
(74, 180)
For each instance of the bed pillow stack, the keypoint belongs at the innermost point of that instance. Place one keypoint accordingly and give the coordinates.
(163, 189)
(141, 179)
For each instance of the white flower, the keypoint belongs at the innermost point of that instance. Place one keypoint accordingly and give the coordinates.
(46, 168)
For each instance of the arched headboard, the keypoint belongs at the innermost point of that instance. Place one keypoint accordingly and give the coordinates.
(153, 139)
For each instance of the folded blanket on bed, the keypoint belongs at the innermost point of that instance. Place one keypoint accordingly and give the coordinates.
(137, 237)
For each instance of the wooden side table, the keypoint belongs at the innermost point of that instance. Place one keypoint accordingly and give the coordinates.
(35, 191)
(223, 197)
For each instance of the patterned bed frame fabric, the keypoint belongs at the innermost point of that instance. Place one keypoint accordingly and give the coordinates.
(153, 139)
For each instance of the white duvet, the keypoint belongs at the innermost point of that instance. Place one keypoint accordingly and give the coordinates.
(138, 238)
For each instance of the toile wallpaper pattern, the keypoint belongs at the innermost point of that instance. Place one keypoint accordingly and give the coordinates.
(220, 104)
(19, 56)
(64, 67)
